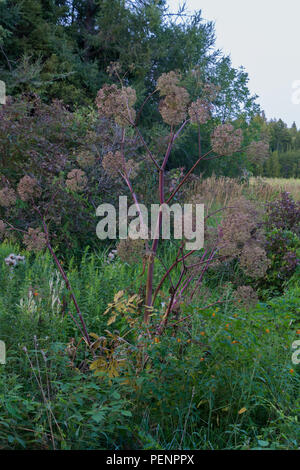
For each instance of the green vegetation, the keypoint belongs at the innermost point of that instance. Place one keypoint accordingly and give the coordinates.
(142, 344)
(224, 381)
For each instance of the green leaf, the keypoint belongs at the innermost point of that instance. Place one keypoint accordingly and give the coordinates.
(263, 443)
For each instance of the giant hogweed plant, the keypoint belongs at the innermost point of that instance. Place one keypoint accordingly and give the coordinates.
(115, 103)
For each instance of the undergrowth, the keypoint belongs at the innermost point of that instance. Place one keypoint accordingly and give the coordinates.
(224, 381)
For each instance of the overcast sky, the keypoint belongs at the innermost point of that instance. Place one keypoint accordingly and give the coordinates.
(264, 37)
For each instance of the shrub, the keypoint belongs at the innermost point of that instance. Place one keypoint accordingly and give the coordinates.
(41, 147)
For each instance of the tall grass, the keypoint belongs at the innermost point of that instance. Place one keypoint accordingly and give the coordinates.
(218, 191)
(291, 185)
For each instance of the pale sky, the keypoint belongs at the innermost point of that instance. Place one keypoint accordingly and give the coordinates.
(264, 37)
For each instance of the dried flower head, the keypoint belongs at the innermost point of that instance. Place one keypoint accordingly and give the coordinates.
(114, 68)
(117, 103)
(131, 251)
(258, 152)
(85, 158)
(254, 261)
(107, 101)
(7, 197)
(210, 91)
(246, 297)
(35, 239)
(76, 180)
(226, 140)
(200, 111)
(113, 163)
(28, 188)
(239, 226)
(173, 107)
(167, 82)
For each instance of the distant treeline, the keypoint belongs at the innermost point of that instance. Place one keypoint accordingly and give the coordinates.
(62, 49)
(285, 151)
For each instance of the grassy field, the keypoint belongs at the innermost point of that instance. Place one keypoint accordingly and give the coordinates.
(291, 185)
(218, 191)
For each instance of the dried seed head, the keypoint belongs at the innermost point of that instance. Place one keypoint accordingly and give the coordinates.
(226, 140)
(254, 261)
(85, 159)
(200, 111)
(211, 91)
(240, 225)
(76, 180)
(35, 240)
(28, 188)
(168, 82)
(173, 107)
(7, 197)
(114, 68)
(132, 168)
(246, 297)
(117, 103)
(113, 164)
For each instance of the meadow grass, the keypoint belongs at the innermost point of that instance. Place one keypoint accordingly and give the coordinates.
(225, 381)
(216, 191)
(291, 185)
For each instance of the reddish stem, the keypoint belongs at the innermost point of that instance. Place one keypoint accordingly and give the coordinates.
(65, 278)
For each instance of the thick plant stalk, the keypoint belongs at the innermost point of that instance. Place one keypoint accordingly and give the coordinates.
(176, 262)
(186, 176)
(150, 270)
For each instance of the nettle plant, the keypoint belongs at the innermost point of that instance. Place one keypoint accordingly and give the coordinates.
(116, 107)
